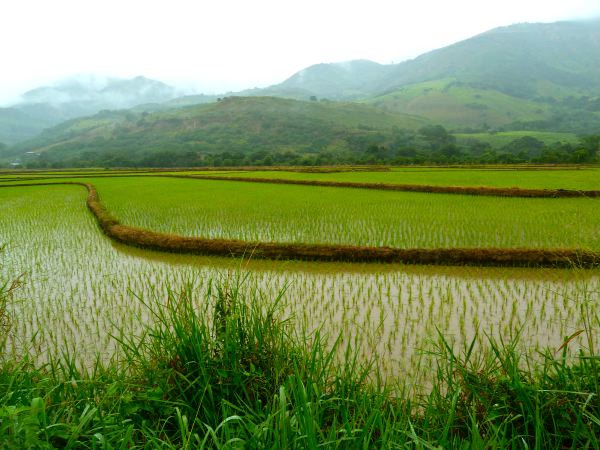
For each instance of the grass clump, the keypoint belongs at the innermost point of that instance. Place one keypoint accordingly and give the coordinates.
(230, 370)
(502, 400)
(205, 357)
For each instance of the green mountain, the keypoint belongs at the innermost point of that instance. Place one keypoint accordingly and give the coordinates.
(239, 125)
(523, 60)
(525, 76)
(530, 61)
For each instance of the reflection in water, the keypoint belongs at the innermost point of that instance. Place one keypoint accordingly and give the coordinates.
(82, 289)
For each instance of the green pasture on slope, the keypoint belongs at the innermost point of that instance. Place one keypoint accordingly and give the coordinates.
(454, 106)
(315, 214)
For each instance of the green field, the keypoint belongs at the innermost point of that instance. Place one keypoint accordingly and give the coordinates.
(534, 177)
(584, 179)
(80, 285)
(83, 295)
(287, 213)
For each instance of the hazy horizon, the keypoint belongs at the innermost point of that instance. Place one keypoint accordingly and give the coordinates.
(234, 46)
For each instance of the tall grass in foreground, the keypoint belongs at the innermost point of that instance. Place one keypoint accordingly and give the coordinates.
(225, 371)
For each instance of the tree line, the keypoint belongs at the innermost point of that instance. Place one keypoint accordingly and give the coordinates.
(429, 145)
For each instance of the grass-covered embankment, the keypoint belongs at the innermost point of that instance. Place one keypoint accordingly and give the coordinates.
(460, 190)
(502, 176)
(497, 181)
(226, 371)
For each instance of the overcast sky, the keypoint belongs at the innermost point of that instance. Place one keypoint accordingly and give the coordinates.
(222, 45)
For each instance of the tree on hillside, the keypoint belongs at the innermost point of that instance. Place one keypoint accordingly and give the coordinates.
(436, 136)
(525, 145)
(589, 148)
(377, 154)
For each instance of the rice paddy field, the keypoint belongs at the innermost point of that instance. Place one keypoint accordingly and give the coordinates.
(537, 177)
(81, 290)
(582, 178)
(110, 345)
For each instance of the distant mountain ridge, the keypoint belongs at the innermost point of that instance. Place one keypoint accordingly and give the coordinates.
(513, 60)
(46, 106)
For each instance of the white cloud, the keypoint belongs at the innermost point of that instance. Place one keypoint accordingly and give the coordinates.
(224, 45)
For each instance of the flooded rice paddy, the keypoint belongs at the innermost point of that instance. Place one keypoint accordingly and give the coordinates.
(80, 291)
(314, 214)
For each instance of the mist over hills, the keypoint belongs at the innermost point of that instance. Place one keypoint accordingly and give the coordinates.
(540, 78)
(94, 92)
(80, 96)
